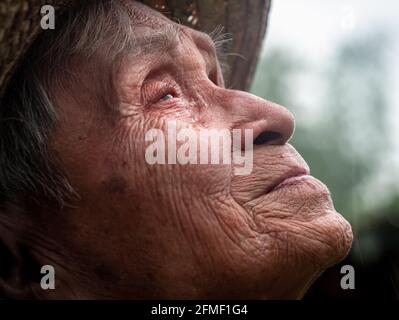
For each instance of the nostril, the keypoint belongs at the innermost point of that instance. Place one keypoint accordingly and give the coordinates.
(266, 137)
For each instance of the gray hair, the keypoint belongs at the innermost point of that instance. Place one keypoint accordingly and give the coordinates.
(28, 168)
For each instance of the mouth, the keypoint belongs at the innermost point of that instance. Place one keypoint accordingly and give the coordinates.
(295, 177)
(291, 181)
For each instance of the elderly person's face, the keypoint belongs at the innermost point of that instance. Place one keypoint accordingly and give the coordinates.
(181, 231)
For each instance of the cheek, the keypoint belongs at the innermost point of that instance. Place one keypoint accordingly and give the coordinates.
(174, 154)
(107, 163)
(93, 154)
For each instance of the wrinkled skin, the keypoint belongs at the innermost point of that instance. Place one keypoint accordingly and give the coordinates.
(173, 231)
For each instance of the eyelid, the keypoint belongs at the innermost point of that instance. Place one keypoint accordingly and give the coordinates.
(206, 44)
(214, 71)
(212, 64)
(154, 91)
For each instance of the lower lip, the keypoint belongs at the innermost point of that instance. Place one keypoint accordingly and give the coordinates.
(291, 181)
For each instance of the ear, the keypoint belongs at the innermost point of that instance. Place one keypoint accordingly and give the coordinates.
(19, 272)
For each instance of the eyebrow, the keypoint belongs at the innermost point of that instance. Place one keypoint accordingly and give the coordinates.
(206, 42)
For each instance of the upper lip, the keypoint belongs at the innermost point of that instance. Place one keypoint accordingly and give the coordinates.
(296, 171)
(271, 166)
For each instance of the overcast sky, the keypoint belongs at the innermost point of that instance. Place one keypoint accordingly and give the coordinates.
(314, 29)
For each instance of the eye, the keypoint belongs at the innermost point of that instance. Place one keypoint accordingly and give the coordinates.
(167, 97)
(166, 93)
(159, 92)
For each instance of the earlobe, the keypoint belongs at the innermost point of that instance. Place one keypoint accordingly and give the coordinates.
(8, 292)
(17, 270)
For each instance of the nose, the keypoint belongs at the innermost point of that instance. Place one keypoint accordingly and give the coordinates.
(270, 123)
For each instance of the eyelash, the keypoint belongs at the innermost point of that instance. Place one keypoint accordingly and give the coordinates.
(165, 91)
(169, 88)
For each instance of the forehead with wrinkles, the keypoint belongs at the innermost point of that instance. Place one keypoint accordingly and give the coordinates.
(139, 33)
(152, 32)
(110, 32)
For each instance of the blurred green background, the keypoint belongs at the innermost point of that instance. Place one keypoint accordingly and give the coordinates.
(335, 65)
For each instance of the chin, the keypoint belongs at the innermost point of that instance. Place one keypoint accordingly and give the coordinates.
(308, 231)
